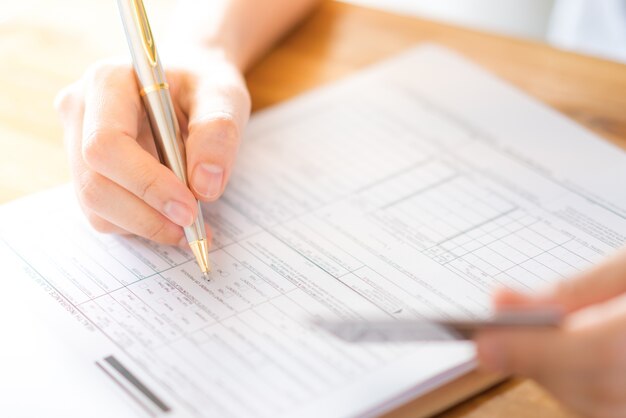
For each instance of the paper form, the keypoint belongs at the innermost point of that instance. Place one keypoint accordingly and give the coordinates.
(414, 188)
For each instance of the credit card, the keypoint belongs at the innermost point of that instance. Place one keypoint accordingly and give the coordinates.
(431, 329)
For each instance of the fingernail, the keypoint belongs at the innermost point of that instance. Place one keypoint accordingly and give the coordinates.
(491, 356)
(178, 213)
(208, 180)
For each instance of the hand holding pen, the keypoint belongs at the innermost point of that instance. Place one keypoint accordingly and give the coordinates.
(120, 183)
(122, 186)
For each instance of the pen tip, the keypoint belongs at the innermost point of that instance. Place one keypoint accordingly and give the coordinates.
(200, 249)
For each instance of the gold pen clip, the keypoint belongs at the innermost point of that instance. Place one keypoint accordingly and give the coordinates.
(149, 45)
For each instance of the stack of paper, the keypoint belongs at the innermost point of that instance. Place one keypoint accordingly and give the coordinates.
(414, 188)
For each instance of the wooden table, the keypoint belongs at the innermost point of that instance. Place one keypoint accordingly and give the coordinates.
(46, 44)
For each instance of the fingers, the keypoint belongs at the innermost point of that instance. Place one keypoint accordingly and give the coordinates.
(120, 183)
(218, 110)
(583, 364)
(114, 204)
(506, 299)
(599, 284)
(605, 281)
(529, 351)
(109, 207)
(112, 121)
(103, 226)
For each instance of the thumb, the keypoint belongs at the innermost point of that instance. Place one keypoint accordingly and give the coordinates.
(504, 299)
(218, 113)
(597, 285)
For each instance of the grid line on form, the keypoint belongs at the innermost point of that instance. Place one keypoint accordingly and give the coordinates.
(496, 259)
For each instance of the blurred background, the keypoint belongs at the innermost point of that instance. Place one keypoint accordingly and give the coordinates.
(46, 44)
(595, 27)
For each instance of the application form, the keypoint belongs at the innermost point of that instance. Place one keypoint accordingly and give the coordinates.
(412, 189)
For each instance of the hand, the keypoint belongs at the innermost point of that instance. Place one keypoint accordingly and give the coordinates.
(121, 185)
(584, 363)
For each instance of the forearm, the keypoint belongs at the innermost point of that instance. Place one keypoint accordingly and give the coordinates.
(241, 29)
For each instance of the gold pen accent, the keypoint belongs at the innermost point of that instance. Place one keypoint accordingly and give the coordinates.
(149, 89)
(141, 19)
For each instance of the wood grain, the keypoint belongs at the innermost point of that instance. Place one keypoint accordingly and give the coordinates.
(46, 44)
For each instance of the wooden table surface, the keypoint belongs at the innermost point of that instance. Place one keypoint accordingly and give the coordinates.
(46, 44)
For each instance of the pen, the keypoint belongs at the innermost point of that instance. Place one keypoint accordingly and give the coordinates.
(154, 91)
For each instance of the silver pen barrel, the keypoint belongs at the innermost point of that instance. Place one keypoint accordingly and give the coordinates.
(160, 109)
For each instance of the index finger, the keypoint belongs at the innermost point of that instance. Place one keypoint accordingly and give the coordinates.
(218, 110)
(113, 120)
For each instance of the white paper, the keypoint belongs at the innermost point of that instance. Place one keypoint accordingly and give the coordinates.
(414, 188)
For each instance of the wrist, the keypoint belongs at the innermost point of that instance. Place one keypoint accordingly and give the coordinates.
(198, 56)
(204, 29)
